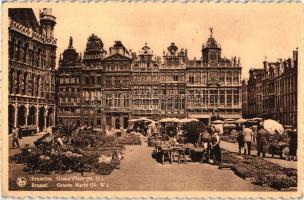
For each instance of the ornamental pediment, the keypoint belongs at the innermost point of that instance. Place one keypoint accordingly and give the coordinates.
(116, 57)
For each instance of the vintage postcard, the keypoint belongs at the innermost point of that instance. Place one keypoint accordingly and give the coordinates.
(152, 99)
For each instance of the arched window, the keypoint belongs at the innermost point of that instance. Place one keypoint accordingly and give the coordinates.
(12, 47)
(38, 87)
(33, 84)
(18, 82)
(11, 81)
(25, 85)
(33, 56)
(25, 53)
(39, 55)
(18, 50)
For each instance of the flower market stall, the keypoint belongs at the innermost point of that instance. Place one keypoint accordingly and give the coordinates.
(75, 150)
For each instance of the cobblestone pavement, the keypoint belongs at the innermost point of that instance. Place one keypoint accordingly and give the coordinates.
(140, 172)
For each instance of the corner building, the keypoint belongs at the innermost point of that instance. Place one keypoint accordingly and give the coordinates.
(32, 60)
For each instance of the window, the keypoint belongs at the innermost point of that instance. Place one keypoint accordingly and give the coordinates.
(108, 82)
(204, 78)
(98, 95)
(229, 97)
(87, 96)
(98, 80)
(235, 97)
(182, 91)
(236, 79)
(109, 101)
(213, 97)
(117, 83)
(117, 100)
(229, 79)
(191, 79)
(222, 97)
(126, 101)
(92, 80)
(87, 80)
(222, 78)
(197, 78)
(175, 77)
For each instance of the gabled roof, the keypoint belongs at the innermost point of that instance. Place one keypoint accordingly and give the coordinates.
(117, 56)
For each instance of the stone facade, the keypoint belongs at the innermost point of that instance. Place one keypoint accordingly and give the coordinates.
(272, 91)
(105, 90)
(213, 84)
(32, 60)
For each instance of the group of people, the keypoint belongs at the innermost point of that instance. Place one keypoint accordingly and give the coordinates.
(209, 140)
(247, 135)
(245, 138)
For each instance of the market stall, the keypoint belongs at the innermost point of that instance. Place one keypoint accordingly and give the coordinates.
(278, 138)
(75, 150)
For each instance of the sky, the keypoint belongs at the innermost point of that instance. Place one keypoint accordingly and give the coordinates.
(249, 31)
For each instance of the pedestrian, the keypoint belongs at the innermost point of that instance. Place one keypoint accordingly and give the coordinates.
(16, 136)
(204, 140)
(293, 144)
(233, 132)
(240, 138)
(262, 139)
(215, 150)
(148, 131)
(248, 138)
(254, 131)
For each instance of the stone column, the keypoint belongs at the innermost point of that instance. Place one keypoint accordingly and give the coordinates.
(16, 116)
(26, 115)
(45, 119)
(121, 122)
(37, 118)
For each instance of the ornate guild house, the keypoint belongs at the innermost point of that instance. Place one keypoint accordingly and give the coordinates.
(107, 89)
(32, 60)
(213, 84)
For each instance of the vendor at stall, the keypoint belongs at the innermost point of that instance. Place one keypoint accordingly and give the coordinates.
(215, 150)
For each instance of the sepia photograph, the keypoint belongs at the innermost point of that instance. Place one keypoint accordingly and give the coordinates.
(152, 97)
